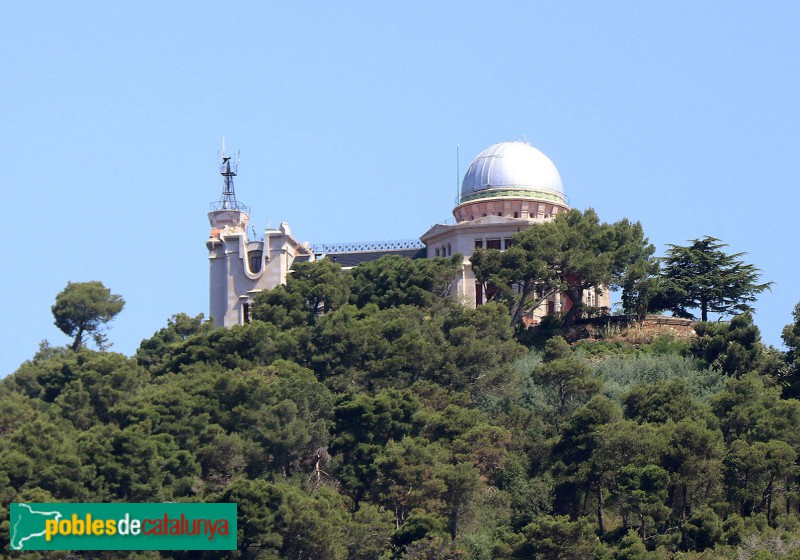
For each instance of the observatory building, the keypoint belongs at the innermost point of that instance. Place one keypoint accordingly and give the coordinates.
(507, 188)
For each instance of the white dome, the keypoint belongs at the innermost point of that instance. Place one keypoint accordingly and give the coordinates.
(511, 166)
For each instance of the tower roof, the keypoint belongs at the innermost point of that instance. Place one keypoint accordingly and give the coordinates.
(513, 167)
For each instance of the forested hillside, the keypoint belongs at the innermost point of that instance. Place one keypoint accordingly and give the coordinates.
(364, 415)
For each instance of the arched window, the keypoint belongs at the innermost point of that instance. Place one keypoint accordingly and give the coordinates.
(255, 260)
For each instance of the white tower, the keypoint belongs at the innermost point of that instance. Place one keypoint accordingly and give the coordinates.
(239, 268)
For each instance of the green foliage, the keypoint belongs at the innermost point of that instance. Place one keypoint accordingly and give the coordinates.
(572, 253)
(754, 473)
(664, 344)
(567, 377)
(312, 290)
(702, 530)
(371, 349)
(631, 547)
(407, 477)
(254, 344)
(791, 338)
(693, 457)
(369, 533)
(579, 472)
(604, 349)
(392, 281)
(734, 347)
(364, 424)
(280, 520)
(750, 408)
(559, 538)
(659, 402)
(703, 276)
(642, 491)
(83, 308)
(167, 341)
(621, 374)
(373, 420)
(639, 286)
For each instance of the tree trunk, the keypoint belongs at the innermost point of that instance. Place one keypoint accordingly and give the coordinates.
(453, 523)
(576, 296)
(523, 296)
(76, 344)
(769, 500)
(601, 521)
(685, 505)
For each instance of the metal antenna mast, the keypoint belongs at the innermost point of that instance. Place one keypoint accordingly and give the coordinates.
(458, 175)
(228, 193)
(228, 170)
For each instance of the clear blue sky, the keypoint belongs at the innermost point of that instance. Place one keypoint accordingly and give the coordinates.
(683, 116)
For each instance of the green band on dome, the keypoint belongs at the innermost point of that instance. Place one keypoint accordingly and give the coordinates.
(515, 193)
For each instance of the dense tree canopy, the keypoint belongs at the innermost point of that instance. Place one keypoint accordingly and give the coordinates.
(791, 338)
(82, 308)
(394, 424)
(394, 280)
(572, 253)
(315, 288)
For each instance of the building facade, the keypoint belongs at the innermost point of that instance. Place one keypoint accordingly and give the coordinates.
(507, 188)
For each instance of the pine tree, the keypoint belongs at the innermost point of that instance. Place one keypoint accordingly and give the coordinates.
(703, 276)
(83, 308)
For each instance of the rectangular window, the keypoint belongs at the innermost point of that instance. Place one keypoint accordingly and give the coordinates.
(245, 313)
(478, 294)
(493, 244)
(551, 307)
(479, 243)
(437, 252)
(508, 242)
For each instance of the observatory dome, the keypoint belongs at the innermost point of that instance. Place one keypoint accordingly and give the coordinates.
(506, 169)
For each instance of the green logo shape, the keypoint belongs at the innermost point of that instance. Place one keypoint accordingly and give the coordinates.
(142, 526)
